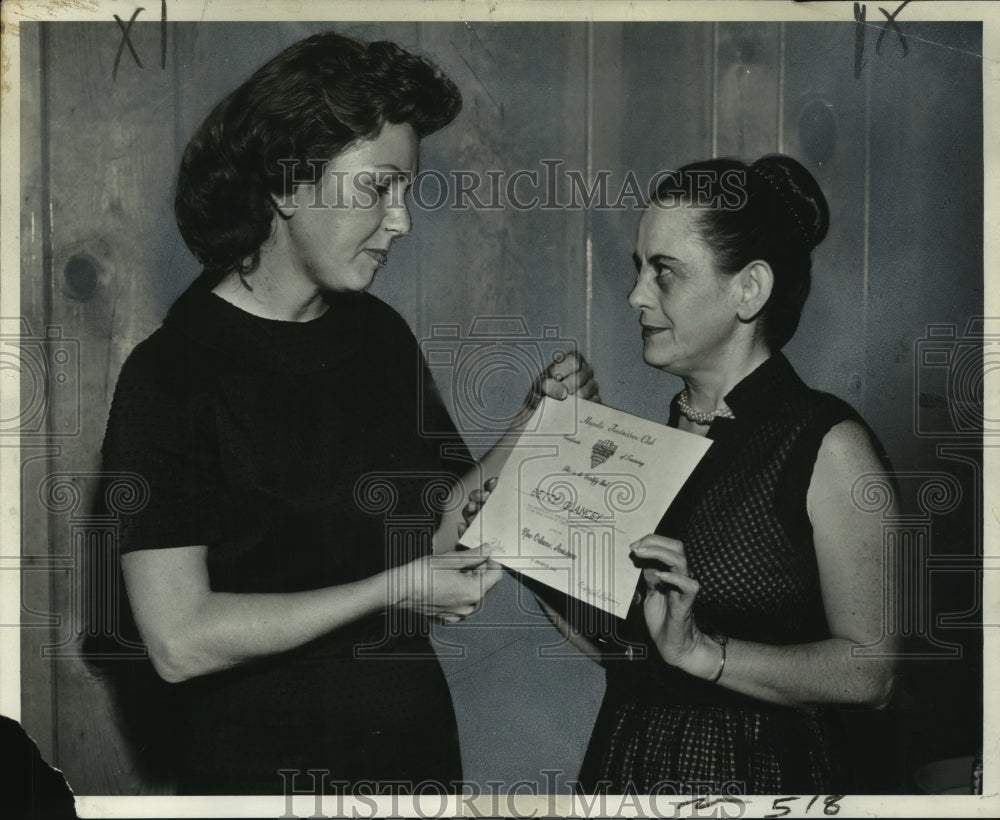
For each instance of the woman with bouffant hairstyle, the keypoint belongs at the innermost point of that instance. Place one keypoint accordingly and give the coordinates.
(763, 576)
(274, 420)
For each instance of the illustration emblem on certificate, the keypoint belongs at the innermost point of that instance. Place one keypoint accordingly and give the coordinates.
(581, 485)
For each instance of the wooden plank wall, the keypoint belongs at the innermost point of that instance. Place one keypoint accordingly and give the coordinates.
(896, 150)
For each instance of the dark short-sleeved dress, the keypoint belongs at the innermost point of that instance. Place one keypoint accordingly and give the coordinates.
(748, 540)
(294, 452)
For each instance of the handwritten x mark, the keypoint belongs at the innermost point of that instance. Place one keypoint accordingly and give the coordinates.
(126, 41)
(890, 22)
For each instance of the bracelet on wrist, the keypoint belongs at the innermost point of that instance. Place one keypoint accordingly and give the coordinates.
(721, 640)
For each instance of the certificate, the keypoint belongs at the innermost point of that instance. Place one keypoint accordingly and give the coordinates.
(584, 482)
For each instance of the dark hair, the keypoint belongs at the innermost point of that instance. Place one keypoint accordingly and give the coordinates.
(310, 102)
(772, 210)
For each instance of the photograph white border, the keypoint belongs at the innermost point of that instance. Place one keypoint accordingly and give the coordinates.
(471, 11)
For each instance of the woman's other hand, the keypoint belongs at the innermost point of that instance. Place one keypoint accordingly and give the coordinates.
(668, 603)
(476, 500)
(447, 586)
(568, 375)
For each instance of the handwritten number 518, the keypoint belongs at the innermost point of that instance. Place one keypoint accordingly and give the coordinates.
(831, 805)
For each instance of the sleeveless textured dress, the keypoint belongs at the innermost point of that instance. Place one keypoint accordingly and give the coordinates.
(290, 449)
(748, 540)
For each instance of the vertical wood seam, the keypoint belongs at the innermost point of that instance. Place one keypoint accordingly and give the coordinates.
(715, 89)
(419, 328)
(588, 225)
(781, 87)
(48, 297)
(46, 182)
(866, 229)
(178, 90)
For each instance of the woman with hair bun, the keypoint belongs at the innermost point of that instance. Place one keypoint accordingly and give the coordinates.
(763, 576)
(273, 419)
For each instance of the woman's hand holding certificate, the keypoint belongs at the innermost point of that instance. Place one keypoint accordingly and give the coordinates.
(446, 587)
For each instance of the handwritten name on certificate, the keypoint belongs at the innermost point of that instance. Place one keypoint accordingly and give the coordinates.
(582, 484)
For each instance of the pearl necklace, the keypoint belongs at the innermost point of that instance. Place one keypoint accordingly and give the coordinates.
(701, 416)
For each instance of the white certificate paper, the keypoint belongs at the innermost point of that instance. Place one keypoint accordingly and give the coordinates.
(582, 484)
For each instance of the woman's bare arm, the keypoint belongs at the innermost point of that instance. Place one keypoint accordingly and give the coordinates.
(190, 630)
(852, 567)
